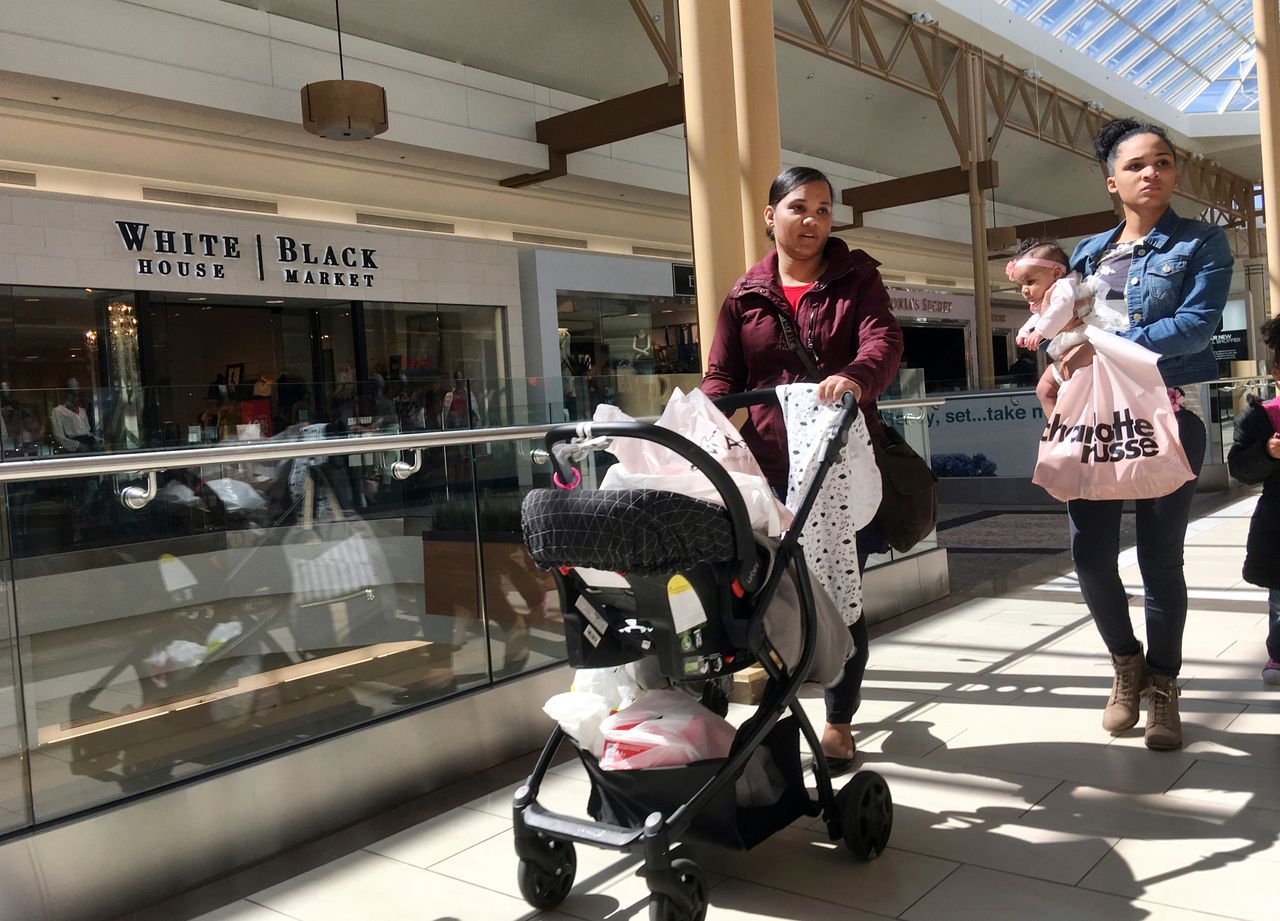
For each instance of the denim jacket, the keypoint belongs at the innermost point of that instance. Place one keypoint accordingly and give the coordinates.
(1177, 287)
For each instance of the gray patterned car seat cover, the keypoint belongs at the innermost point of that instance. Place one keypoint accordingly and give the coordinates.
(643, 531)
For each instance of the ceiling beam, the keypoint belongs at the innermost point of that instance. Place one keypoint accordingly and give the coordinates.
(909, 190)
(1078, 225)
(605, 122)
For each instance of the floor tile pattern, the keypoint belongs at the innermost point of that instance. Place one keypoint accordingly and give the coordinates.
(983, 712)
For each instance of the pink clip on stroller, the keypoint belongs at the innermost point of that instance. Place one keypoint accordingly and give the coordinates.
(648, 537)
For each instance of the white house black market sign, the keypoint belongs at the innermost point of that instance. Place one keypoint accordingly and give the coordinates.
(185, 254)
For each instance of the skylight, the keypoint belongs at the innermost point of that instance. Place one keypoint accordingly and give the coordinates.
(1197, 55)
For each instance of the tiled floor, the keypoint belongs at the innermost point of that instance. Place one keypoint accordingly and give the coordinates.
(1011, 801)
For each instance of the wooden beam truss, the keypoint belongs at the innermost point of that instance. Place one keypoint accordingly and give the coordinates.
(876, 38)
(909, 190)
(605, 122)
(1078, 225)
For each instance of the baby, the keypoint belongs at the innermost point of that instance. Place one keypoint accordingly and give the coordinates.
(1061, 304)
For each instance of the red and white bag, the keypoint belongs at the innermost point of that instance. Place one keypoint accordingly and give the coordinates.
(1113, 434)
(663, 728)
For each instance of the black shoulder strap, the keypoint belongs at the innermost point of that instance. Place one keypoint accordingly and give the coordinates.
(793, 342)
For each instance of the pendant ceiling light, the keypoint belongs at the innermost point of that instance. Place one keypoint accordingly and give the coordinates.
(344, 110)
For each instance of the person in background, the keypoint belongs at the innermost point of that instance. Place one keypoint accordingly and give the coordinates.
(1255, 458)
(1170, 275)
(1023, 369)
(839, 307)
(459, 405)
(70, 423)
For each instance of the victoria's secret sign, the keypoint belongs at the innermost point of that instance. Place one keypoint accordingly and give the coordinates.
(206, 255)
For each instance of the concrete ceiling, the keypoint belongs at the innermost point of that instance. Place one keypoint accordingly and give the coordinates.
(593, 48)
(598, 49)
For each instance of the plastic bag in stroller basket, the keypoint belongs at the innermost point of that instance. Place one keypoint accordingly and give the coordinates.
(663, 728)
(646, 465)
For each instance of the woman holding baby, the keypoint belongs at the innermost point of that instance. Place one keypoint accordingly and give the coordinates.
(1170, 276)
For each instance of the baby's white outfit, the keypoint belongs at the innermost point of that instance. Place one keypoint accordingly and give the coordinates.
(1073, 297)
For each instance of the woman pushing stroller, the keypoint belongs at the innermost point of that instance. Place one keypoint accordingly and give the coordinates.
(811, 305)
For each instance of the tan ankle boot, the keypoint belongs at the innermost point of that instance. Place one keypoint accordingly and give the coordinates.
(1129, 683)
(1164, 726)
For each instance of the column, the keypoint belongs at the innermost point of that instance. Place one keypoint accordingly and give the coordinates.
(755, 80)
(711, 141)
(1266, 27)
(973, 131)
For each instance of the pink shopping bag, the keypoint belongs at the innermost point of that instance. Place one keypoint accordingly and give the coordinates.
(1113, 434)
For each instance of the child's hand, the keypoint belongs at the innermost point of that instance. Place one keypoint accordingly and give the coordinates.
(1030, 341)
(1079, 357)
(1273, 446)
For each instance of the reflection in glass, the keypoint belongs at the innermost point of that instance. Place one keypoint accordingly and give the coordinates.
(14, 811)
(253, 606)
(526, 630)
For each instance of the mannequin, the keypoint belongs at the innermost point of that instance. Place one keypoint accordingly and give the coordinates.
(566, 365)
(643, 344)
(70, 423)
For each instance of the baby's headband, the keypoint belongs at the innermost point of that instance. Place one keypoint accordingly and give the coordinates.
(1028, 260)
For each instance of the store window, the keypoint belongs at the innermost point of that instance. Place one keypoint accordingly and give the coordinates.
(938, 349)
(237, 367)
(69, 376)
(440, 365)
(73, 364)
(628, 351)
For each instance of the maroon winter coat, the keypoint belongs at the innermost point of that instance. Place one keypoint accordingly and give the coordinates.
(845, 320)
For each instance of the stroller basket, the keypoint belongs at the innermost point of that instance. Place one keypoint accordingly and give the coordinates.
(627, 798)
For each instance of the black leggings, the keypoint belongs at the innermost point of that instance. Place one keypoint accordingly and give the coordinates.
(1162, 530)
(844, 698)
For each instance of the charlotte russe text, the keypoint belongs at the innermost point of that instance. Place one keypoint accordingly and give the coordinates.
(1106, 442)
(206, 255)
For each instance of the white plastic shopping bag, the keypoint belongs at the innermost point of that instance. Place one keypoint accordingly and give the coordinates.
(1113, 434)
(646, 465)
(598, 692)
(580, 714)
(662, 729)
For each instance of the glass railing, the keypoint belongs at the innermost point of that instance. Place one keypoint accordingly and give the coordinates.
(997, 433)
(251, 604)
(1223, 401)
(254, 594)
(985, 434)
(37, 423)
(911, 419)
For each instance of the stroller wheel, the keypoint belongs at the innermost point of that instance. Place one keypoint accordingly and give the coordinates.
(688, 876)
(866, 815)
(544, 887)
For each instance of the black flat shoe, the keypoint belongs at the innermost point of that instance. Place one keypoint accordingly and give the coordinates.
(838, 766)
(835, 766)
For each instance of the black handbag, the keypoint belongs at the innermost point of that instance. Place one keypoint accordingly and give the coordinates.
(908, 510)
(909, 503)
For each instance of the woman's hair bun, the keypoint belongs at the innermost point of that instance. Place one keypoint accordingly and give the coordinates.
(1110, 134)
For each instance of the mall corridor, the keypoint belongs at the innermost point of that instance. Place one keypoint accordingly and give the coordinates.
(983, 713)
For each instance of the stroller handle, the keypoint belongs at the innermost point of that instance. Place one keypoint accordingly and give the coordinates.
(744, 545)
(732, 402)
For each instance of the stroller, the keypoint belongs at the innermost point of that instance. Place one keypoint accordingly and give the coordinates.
(651, 537)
